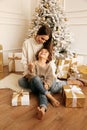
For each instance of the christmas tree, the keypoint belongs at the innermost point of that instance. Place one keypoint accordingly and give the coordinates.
(51, 13)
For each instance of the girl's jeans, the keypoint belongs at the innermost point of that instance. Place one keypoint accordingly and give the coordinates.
(36, 86)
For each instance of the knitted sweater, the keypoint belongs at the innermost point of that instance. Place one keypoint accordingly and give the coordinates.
(45, 73)
(29, 50)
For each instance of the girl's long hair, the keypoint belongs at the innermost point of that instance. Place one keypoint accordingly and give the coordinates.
(49, 57)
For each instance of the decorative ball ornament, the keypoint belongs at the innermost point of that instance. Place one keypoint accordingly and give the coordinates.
(47, 6)
(66, 19)
(36, 10)
(43, 18)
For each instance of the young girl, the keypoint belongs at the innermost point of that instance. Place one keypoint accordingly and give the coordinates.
(41, 81)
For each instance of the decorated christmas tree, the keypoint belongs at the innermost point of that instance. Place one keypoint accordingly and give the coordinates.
(51, 13)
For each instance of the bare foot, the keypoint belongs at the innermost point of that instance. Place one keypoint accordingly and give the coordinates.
(55, 103)
(40, 113)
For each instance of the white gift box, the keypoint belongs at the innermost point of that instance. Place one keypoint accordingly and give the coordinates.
(20, 99)
(15, 64)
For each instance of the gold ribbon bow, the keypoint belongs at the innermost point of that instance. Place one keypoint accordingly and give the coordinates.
(13, 58)
(19, 95)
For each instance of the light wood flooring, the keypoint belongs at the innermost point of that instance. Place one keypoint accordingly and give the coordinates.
(24, 117)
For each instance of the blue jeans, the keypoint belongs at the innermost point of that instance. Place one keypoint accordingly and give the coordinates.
(36, 86)
(57, 86)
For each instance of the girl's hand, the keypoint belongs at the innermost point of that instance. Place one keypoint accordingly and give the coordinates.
(31, 67)
(46, 86)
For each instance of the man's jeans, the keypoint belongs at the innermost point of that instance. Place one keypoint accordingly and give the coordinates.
(36, 86)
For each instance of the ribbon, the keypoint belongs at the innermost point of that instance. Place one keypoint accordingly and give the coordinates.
(75, 90)
(13, 58)
(20, 98)
(63, 73)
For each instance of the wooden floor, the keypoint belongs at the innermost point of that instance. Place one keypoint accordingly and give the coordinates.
(24, 117)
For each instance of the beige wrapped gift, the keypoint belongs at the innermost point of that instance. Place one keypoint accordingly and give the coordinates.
(73, 96)
(15, 64)
(82, 69)
(82, 74)
(21, 98)
(63, 67)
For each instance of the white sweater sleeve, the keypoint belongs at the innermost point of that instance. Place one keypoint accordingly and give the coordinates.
(25, 56)
(29, 51)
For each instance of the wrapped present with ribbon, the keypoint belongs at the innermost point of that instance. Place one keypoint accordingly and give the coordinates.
(74, 60)
(1, 59)
(73, 96)
(63, 67)
(15, 64)
(81, 74)
(82, 69)
(81, 77)
(21, 98)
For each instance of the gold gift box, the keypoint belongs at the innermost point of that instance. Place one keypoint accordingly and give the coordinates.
(64, 61)
(73, 96)
(83, 78)
(64, 75)
(82, 69)
(82, 73)
(20, 99)
(63, 67)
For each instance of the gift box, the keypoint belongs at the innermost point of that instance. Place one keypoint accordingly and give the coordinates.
(63, 67)
(81, 77)
(81, 74)
(73, 64)
(1, 59)
(82, 69)
(73, 96)
(15, 64)
(21, 98)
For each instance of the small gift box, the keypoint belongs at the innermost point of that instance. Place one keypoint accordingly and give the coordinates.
(21, 98)
(82, 69)
(63, 66)
(81, 74)
(81, 77)
(73, 96)
(1, 59)
(15, 64)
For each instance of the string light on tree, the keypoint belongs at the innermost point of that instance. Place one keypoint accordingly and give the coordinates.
(51, 12)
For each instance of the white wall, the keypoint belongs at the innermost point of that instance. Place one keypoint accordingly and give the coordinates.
(15, 17)
(76, 11)
(12, 26)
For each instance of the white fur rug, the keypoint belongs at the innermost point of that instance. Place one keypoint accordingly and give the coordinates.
(11, 81)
